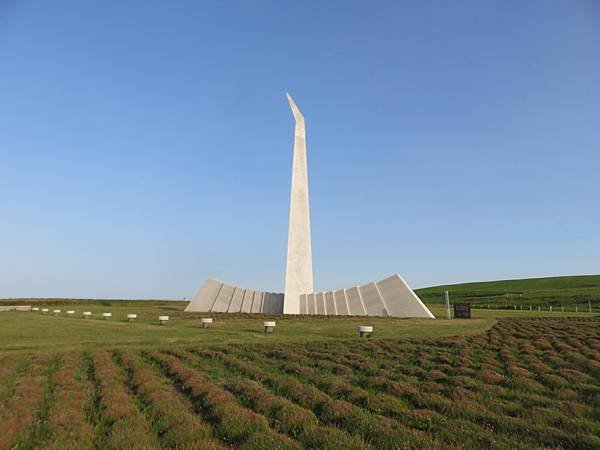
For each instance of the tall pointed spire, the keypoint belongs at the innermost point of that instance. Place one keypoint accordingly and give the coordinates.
(298, 272)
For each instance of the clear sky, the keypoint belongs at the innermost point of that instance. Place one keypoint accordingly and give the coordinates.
(146, 145)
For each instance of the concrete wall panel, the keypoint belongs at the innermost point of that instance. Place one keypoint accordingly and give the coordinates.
(258, 301)
(330, 304)
(205, 298)
(320, 302)
(341, 305)
(236, 301)
(373, 302)
(224, 298)
(303, 304)
(355, 304)
(400, 299)
(310, 304)
(247, 302)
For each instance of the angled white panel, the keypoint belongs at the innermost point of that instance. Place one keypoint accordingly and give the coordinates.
(310, 304)
(269, 305)
(278, 303)
(247, 302)
(223, 299)
(257, 303)
(372, 300)
(303, 304)
(341, 305)
(355, 304)
(400, 299)
(236, 300)
(206, 296)
(320, 302)
(330, 304)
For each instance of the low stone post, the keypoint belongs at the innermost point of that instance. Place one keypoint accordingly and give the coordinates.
(163, 319)
(131, 317)
(206, 322)
(269, 326)
(365, 331)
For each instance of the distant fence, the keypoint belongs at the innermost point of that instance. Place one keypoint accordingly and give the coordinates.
(554, 307)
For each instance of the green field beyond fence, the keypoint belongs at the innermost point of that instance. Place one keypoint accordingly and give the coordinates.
(558, 292)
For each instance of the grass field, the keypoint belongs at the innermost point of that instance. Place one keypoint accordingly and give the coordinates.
(556, 291)
(505, 379)
(515, 383)
(33, 331)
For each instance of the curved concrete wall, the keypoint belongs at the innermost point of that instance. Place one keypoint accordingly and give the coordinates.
(390, 297)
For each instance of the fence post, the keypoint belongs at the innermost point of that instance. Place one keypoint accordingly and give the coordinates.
(447, 296)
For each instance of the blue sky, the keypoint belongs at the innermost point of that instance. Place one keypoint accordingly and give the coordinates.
(146, 145)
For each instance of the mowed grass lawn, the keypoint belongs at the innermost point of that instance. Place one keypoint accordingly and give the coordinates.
(33, 331)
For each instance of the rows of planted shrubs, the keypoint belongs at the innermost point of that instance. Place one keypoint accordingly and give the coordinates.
(525, 383)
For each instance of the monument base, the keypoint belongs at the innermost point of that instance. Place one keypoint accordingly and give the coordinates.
(390, 297)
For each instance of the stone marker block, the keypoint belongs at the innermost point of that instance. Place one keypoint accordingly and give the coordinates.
(86, 314)
(364, 330)
(131, 317)
(163, 319)
(269, 326)
(206, 322)
(106, 316)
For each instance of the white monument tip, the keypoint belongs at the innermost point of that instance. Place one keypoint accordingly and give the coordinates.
(295, 110)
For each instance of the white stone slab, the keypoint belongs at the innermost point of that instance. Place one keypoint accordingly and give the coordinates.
(372, 300)
(248, 299)
(341, 305)
(236, 302)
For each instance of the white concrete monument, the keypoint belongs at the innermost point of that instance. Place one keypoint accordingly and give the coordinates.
(298, 271)
(388, 297)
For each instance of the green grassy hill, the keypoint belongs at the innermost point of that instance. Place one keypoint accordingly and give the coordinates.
(573, 290)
